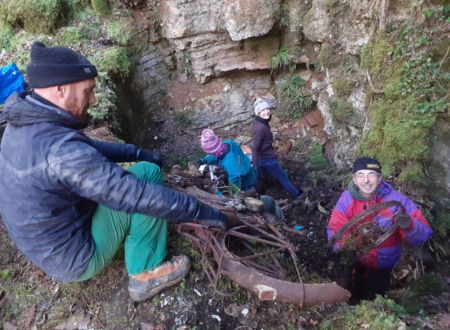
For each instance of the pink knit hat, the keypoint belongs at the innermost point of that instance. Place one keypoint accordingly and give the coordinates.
(210, 142)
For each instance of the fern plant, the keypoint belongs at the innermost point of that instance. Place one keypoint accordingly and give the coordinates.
(282, 60)
(299, 98)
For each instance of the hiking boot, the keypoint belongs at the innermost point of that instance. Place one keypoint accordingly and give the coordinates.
(145, 285)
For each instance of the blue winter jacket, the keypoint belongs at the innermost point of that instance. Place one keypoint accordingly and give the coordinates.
(237, 165)
(53, 176)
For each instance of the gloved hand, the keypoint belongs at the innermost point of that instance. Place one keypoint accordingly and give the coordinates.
(210, 217)
(148, 156)
(403, 220)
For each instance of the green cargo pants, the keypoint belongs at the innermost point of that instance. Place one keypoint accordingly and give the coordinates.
(144, 237)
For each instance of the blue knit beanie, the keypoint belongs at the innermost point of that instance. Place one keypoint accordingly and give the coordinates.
(56, 66)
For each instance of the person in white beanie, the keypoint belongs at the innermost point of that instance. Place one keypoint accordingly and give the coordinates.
(264, 157)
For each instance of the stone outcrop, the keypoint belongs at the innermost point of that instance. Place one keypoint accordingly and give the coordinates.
(438, 169)
(215, 55)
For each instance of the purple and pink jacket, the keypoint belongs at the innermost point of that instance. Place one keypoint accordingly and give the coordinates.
(386, 255)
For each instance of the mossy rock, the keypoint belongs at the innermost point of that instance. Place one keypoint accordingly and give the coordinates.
(329, 57)
(412, 173)
(343, 86)
(36, 16)
(342, 111)
(376, 58)
(398, 133)
(102, 7)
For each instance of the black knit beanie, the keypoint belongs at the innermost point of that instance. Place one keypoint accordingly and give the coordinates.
(366, 163)
(55, 66)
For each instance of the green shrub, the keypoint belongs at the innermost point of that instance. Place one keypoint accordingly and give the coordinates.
(106, 99)
(36, 16)
(120, 31)
(299, 98)
(101, 7)
(114, 61)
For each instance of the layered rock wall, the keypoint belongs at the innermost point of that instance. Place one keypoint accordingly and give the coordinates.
(218, 54)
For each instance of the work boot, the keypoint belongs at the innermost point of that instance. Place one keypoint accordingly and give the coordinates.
(145, 285)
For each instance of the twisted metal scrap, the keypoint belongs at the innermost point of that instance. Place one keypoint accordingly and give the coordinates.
(362, 233)
(262, 280)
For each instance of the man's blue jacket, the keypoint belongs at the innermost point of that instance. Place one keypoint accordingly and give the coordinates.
(53, 176)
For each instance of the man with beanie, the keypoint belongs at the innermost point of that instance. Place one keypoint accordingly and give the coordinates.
(65, 202)
(264, 157)
(371, 271)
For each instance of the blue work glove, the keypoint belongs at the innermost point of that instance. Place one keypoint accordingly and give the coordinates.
(403, 220)
(210, 217)
(148, 156)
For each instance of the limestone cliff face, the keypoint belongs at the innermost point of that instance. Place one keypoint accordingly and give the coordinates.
(217, 60)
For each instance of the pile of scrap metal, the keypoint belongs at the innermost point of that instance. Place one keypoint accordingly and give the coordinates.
(257, 270)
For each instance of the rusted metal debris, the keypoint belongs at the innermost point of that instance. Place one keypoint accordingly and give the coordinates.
(362, 233)
(254, 269)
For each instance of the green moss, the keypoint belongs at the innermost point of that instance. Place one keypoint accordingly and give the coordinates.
(6, 274)
(380, 314)
(315, 156)
(328, 57)
(71, 36)
(336, 7)
(429, 284)
(413, 173)
(101, 7)
(6, 35)
(343, 86)
(114, 61)
(398, 133)
(342, 110)
(36, 16)
(16, 46)
(376, 58)
(120, 31)
(415, 90)
(441, 225)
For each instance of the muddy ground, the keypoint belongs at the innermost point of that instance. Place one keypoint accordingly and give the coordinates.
(29, 299)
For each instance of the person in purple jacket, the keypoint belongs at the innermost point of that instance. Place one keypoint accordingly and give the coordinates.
(264, 157)
(65, 202)
(371, 271)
